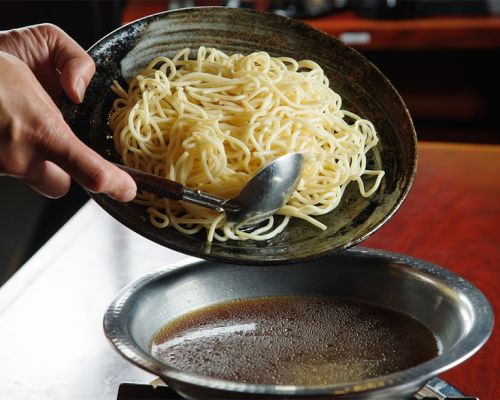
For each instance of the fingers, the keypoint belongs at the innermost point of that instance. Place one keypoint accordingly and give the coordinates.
(75, 65)
(87, 167)
(36, 144)
(47, 179)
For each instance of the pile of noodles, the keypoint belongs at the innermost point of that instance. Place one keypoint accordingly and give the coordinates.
(212, 121)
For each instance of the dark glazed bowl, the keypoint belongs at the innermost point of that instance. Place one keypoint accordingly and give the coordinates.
(455, 311)
(363, 88)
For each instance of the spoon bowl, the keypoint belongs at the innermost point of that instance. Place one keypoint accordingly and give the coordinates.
(267, 191)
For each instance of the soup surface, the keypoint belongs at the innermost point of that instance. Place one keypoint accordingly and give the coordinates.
(293, 341)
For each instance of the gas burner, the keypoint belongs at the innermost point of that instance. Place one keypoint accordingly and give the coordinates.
(435, 389)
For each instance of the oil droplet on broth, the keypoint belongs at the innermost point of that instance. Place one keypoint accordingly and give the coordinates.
(293, 341)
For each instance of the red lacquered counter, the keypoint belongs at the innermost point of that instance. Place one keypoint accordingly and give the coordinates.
(452, 218)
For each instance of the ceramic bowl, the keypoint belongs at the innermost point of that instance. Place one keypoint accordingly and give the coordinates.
(362, 86)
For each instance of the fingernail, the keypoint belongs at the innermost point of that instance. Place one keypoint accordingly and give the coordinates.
(125, 196)
(80, 89)
(130, 195)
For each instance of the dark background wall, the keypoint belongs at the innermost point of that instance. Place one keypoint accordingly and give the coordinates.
(85, 21)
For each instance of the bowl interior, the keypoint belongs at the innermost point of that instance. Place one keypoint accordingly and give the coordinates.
(363, 88)
(455, 312)
(393, 285)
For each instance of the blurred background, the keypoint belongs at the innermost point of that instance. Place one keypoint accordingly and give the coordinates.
(441, 55)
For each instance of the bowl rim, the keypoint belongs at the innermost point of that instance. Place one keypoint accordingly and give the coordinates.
(102, 200)
(116, 331)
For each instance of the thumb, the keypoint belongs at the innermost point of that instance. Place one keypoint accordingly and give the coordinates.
(75, 77)
(75, 65)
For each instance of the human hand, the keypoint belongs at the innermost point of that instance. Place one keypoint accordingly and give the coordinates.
(36, 144)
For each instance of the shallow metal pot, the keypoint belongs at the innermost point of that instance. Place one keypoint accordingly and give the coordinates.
(453, 309)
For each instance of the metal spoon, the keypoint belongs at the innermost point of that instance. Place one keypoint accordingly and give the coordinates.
(262, 196)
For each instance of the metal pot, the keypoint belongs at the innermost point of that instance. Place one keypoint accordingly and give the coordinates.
(454, 310)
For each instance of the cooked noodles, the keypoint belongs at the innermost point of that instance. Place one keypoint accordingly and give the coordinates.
(212, 121)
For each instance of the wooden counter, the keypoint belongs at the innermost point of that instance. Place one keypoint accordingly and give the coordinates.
(452, 217)
(51, 341)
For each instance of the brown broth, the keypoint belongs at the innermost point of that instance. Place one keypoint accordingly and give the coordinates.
(293, 341)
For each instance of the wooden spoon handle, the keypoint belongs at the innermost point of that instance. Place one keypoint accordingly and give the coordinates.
(172, 190)
(154, 184)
